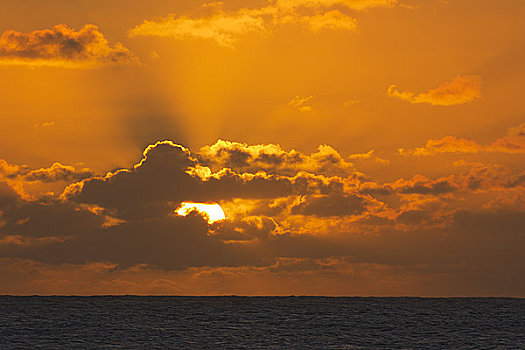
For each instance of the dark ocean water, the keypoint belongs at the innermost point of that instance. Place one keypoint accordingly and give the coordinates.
(261, 323)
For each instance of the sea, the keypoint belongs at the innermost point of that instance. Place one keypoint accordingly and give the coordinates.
(234, 322)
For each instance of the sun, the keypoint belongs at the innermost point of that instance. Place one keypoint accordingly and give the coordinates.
(213, 211)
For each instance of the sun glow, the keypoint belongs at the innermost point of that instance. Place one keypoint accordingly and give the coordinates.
(214, 211)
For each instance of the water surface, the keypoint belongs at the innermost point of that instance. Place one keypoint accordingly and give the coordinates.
(108, 322)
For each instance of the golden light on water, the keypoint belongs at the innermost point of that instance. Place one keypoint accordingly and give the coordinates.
(214, 211)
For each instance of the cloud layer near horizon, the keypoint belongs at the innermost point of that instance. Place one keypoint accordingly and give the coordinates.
(287, 212)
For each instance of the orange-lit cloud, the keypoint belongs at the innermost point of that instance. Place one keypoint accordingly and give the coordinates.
(300, 103)
(357, 5)
(225, 28)
(422, 185)
(370, 155)
(350, 102)
(47, 124)
(9, 170)
(462, 89)
(56, 172)
(448, 144)
(63, 47)
(513, 142)
(330, 20)
(274, 159)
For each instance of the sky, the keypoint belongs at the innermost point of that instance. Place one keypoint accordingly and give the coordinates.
(340, 147)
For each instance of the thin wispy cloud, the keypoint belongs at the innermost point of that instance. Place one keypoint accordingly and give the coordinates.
(512, 142)
(226, 27)
(301, 103)
(460, 90)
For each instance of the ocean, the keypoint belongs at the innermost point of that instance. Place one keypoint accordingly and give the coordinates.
(231, 322)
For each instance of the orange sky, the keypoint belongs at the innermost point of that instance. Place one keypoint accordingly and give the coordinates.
(357, 147)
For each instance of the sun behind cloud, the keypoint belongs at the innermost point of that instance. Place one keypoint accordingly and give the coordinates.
(213, 212)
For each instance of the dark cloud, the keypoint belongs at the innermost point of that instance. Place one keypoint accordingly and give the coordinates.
(413, 217)
(247, 229)
(330, 205)
(160, 176)
(517, 181)
(425, 186)
(55, 219)
(168, 175)
(171, 242)
(504, 224)
(8, 196)
(127, 219)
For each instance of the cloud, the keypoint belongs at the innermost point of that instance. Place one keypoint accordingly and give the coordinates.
(330, 20)
(422, 185)
(63, 47)
(330, 205)
(513, 142)
(168, 175)
(44, 124)
(49, 218)
(362, 156)
(478, 177)
(460, 90)
(221, 28)
(225, 28)
(490, 177)
(357, 5)
(280, 221)
(299, 102)
(350, 102)
(9, 170)
(448, 144)
(275, 160)
(56, 172)
(8, 195)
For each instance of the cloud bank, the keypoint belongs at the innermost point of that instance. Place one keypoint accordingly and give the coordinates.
(313, 217)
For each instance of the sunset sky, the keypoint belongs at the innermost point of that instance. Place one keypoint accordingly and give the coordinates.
(355, 147)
